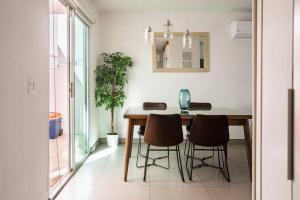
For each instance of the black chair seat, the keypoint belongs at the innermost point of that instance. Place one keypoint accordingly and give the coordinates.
(209, 131)
(164, 131)
(141, 132)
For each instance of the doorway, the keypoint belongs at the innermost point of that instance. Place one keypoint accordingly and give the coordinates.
(68, 93)
(59, 128)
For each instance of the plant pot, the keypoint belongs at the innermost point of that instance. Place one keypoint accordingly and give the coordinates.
(112, 140)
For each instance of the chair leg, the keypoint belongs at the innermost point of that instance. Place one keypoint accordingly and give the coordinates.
(179, 162)
(225, 150)
(187, 156)
(226, 162)
(168, 158)
(185, 153)
(219, 157)
(192, 161)
(222, 157)
(138, 152)
(146, 162)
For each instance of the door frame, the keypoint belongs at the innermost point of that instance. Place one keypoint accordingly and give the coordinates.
(55, 191)
(75, 165)
(256, 96)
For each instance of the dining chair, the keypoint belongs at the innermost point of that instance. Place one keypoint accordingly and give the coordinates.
(150, 106)
(209, 131)
(164, 131)
(196, 106)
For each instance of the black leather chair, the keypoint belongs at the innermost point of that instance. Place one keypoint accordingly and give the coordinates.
(150, 106)
(209, 131)
(164, 131)
(196, 106)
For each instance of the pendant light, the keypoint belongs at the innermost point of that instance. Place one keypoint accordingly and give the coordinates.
(168, 29)
(187, 37)
(168, 26)
(148, 34)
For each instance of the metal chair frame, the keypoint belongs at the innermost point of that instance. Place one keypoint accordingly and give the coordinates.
(178, 156)
(222, 154)
(153, 159)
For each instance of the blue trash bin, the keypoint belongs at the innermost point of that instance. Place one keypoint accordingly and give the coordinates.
(55, 120)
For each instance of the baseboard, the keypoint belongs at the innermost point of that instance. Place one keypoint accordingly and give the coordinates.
(236, 142)
(136, 140)
(96, 144)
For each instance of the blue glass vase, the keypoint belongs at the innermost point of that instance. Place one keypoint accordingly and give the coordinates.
(184, 99)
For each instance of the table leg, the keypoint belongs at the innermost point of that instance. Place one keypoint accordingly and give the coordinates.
(128, 147)
(248, 145)
(131, 142)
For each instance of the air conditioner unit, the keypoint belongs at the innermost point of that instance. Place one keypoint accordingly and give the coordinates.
(241, 29)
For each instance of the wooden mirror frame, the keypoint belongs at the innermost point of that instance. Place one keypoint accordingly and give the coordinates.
(203, 35)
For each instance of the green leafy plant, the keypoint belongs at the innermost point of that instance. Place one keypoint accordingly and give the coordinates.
(111, 78)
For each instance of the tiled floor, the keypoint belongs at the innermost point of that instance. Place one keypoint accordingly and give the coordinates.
(101, 177)
(58, 158)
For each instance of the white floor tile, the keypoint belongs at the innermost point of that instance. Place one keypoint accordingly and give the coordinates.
(101, 177)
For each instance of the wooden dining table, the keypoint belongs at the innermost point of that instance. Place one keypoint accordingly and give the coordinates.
(138, 116)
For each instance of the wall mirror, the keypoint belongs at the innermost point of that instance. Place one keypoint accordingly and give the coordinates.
(169, 55)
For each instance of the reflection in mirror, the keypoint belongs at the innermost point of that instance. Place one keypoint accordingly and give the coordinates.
(169, 55)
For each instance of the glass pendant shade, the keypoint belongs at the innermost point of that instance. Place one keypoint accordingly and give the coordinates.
(148, 35)
(168, 30)
(187, 40)
(184, 99)
(190, 42)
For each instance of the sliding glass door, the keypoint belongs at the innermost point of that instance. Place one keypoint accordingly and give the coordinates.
(81, 89)
(68, 93)
(59, 116)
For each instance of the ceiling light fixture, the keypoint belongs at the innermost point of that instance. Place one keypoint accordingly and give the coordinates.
(148, 31)
(168, 30)
(187, 37)
(168, 26)
(148, 35)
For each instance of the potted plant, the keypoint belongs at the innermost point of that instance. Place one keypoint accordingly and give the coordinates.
(111, 78)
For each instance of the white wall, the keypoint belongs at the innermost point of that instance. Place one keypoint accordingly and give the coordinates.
(24, 119)
(24, 53)
(94, 115)
(227, 84)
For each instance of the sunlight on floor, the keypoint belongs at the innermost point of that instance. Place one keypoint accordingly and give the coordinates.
(101, 154)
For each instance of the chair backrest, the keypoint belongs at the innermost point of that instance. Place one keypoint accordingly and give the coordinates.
(200, 106)
(163, 130)
(209, 130)
(154, 106)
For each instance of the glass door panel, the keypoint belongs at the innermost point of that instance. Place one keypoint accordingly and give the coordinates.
(81, 89)
(59, 123)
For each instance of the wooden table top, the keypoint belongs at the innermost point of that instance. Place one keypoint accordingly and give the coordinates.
(139, 113)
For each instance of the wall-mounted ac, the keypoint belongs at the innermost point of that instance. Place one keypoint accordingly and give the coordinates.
(241, 29)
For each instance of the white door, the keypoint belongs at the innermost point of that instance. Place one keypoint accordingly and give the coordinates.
(276, 78)
(296, 87)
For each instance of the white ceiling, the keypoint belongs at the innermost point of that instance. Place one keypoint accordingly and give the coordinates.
(175, 5)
